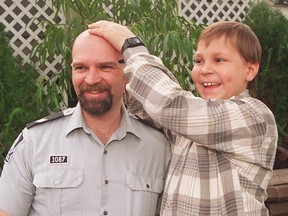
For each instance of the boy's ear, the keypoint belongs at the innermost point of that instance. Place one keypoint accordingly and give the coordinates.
(253, 69)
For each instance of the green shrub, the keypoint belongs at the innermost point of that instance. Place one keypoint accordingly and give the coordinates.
(18, 104)
(271, 27)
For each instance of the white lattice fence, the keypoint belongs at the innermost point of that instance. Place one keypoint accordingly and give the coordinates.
(17, 17)
(207, 12)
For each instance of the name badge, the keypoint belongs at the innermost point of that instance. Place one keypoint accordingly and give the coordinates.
(58, 159)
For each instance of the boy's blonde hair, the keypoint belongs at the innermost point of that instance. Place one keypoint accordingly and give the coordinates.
(239, 34)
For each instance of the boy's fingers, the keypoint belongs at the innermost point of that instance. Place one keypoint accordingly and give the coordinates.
(98, 24)
(114, 33)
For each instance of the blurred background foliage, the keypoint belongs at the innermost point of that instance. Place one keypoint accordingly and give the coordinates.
(271, 27)
(18, 104)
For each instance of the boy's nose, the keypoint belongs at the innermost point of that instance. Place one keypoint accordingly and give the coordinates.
(207, 68)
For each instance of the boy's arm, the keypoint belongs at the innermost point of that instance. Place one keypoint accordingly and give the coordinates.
(162, 98)
(224, 125)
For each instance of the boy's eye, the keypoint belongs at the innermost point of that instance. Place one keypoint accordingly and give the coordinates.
(219, 60)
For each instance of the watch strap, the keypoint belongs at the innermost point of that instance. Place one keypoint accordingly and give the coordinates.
(131, 42)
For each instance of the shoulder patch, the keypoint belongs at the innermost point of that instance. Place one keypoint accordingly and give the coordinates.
(13, 147)
(148, 122)
(51, 117)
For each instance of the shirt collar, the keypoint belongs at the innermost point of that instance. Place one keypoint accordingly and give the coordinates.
(76, 120)
(126, 126)
(243, 94)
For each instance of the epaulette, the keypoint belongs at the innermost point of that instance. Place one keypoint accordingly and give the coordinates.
(149, 122)
(51, 117)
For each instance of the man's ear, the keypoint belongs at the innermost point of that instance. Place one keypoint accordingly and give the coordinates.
(253, 69)
(126, 96)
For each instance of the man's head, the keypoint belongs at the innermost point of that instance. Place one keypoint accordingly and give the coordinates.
(97, 75)
(226, 60)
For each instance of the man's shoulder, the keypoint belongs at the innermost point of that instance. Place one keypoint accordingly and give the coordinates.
(52, 117)
(145, 124)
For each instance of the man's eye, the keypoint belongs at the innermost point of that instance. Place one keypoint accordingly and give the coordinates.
(107, 68)
(197, 61)
(80, 68)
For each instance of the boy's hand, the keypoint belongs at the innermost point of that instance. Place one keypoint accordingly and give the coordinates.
(114, 33)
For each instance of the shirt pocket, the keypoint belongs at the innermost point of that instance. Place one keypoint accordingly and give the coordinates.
(144, 183)
(143, 194)
(58, 191)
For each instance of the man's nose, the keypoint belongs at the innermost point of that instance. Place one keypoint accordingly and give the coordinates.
(93, 76)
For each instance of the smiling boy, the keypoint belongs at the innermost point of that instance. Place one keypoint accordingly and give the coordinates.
(224, 143)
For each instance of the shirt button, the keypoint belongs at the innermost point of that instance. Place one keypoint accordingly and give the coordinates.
(56, 182)
(105, 213)
(147, 186)
(105, 151)
(106, 181)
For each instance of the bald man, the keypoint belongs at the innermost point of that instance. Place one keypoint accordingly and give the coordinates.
(93, 159)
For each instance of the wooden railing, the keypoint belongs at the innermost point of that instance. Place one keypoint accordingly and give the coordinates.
(278, 193)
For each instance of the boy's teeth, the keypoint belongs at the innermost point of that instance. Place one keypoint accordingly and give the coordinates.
(209, 84)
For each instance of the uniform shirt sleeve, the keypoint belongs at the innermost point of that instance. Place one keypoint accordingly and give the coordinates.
(16, 188)
(237, 126)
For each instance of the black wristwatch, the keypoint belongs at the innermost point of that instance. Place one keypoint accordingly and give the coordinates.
(131, 42)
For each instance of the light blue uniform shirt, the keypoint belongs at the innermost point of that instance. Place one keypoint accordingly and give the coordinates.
(60, 167)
